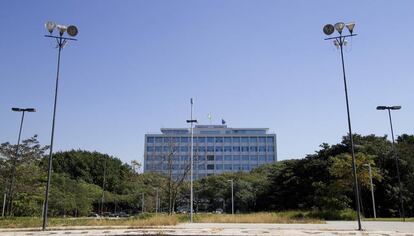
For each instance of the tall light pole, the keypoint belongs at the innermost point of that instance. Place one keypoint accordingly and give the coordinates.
(339, 42)
(389, 108)
(232, 196)
(61, 42)
(372, 190)
(13, 170)
(156, 201)
(191, 121)
(142, 203)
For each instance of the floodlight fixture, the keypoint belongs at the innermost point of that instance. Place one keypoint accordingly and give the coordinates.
(16, 109)
(328, 29)
(381, 107)
(339, 27)
(395, 107)
(350, 27)
(50, 26)
(61, 29)
(72, 30)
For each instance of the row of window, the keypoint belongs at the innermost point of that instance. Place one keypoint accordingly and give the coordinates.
(211, 149)
(214, 158)
(219, 167)
(210, 139)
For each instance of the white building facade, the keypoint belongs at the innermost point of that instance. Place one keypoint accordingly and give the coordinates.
(217, 149)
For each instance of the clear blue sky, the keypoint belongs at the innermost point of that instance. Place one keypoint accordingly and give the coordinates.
(253, 63)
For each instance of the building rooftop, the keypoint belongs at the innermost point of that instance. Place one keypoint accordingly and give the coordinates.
(214, 129)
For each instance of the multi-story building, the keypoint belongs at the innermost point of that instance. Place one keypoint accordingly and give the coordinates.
(217, 149)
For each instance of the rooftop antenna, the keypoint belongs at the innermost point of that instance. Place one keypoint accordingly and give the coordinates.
(209, 117)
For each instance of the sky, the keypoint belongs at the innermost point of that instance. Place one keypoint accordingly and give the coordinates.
(136, 65)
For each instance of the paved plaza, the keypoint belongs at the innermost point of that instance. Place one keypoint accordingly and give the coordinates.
(336, 228)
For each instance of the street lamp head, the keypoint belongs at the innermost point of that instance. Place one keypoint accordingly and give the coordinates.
(350, 27)
(30, 110)
(381, 107)
(16, 109)
(328, 29)
(395, 107)
(50, 26)
(339, 27)
(61, 29)
(72, 30)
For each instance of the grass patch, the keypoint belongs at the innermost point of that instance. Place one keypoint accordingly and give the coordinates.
(347, 214)
(264, 217)
(140, 221)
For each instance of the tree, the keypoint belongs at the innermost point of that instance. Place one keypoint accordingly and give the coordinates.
(22, 192)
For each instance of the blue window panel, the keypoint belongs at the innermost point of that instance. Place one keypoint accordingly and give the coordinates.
(201, 166)
(236, 140)
(219, 158)
(227, 139)
(262, 158)
(219, 166)
(253, 139)
(175, 166)
(228, 158)
(262, 148)
(150, 140)
(158, 148)
(244, 139)
(210, 139)
(252, 166)
(210, 149)
(228, 166)
(210, 167)
(270, 148)
(219, 139)
(201, 139)
(236, 148)
(245, 158)
(184, 149)
(227, 149)
(245, 149)
(185, 139)
(262, 139)
(246, 167)
(201, 149)
(219, 149)
(236, 158)
(158, 139)
(150, 149)
(185, 158)
(201, 158)
(270, 139)
(166, 148)
(253, 149)
(237, 167)
(253, 158)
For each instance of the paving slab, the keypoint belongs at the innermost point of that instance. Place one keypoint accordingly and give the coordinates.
(334, 228)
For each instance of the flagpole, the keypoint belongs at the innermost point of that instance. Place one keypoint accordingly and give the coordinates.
(191, 121)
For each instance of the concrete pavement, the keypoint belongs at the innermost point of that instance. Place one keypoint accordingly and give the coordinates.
(337, 228)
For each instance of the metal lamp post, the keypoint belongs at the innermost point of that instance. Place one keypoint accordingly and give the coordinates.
(372, 189)
(61, 41)
(13, 170)
(340, 42)
(232, 196)
(191, 121)
(389, 108)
